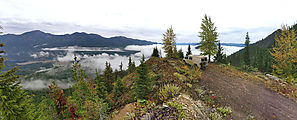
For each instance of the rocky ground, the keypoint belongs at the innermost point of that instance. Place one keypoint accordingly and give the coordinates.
(247, 95)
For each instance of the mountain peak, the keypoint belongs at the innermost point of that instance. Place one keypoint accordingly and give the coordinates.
(34, 32)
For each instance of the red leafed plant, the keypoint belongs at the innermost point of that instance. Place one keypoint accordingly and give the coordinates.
(213, 97)
(72, 109)
(58, 96)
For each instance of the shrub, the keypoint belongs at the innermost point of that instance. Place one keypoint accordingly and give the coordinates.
(180, 77)
(173, 111)
(225, 110)
(168, 91)
(215, 116)
(200, 92)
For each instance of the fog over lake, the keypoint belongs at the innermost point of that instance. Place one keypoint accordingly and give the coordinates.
(91, 63)
(98, 61)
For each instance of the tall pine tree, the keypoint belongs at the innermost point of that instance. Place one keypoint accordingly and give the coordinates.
(208, 37)
(108, 77)
(14, 103)
(142, 83)
(118, 89)
(101, 89)
(89, 105)
(285, 54)
(169, 43)
(189, 52)
(220, 56)
(246, 56)
(131, 65)
(180, 53)
(155, 52)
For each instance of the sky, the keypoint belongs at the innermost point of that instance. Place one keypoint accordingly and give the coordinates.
(149, 19)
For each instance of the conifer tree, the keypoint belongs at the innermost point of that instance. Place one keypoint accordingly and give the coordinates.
(14, 103)
(46, 109)
(155, 52)
(84, 98)
(220, 56)
(189, 52)
(118, 89)
(131, 65)
(246, 56)
(101, 89)
(208, 37)
(180, 53)
(108, 77)
(285, 54)
(143, 82)
(121, 67)
(169, 43)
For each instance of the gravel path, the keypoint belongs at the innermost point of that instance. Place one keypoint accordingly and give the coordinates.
(247, 96)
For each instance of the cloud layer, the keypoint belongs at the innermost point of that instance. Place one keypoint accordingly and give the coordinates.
(147, 19)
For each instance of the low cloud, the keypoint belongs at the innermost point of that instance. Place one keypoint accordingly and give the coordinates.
(91, 63)
(41, 84)
(94, 62)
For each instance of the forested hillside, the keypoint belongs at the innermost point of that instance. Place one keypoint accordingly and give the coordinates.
(259, 53)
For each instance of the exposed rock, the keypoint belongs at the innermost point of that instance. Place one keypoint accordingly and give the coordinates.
(272, 77)
(194, 109)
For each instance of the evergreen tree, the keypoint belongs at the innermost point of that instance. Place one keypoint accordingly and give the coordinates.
(155, 52)
(180, 54)
(220, 56)
(121, 67)
(108, 77)
(84, 103)
(285, 54)
(189, 52)
(208, 37)
(118, 89)
(131, 65)
(246, 55)
(169, 43)
(101, 89)
(46, 110)
(14, 103)
(142, 83)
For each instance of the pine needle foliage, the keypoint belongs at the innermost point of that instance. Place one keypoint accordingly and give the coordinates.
(170, 43)
(155, 52)
(143, 83)
(285, 54)
(220, 56)
(246, 55)
(14, 103)
(189, 52)
(208, 37)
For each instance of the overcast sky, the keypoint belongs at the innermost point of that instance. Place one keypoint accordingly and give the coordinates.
(148, 19)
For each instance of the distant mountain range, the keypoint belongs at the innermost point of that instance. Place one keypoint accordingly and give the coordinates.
(225, 44)
(21, 47)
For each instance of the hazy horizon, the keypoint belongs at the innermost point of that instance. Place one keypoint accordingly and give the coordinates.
(136, 19)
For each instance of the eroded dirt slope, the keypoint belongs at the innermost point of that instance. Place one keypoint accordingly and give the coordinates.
(247, 95)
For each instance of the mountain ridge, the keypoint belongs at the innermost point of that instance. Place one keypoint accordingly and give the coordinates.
(22, 46)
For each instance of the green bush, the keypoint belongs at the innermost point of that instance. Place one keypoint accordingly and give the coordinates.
(180, 77)
(168, 91)
(225, 110)
(215, 116)
(200, 92)
(181, 114)
(174, 111)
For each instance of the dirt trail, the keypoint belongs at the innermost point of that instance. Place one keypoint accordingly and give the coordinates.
(247, 96)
